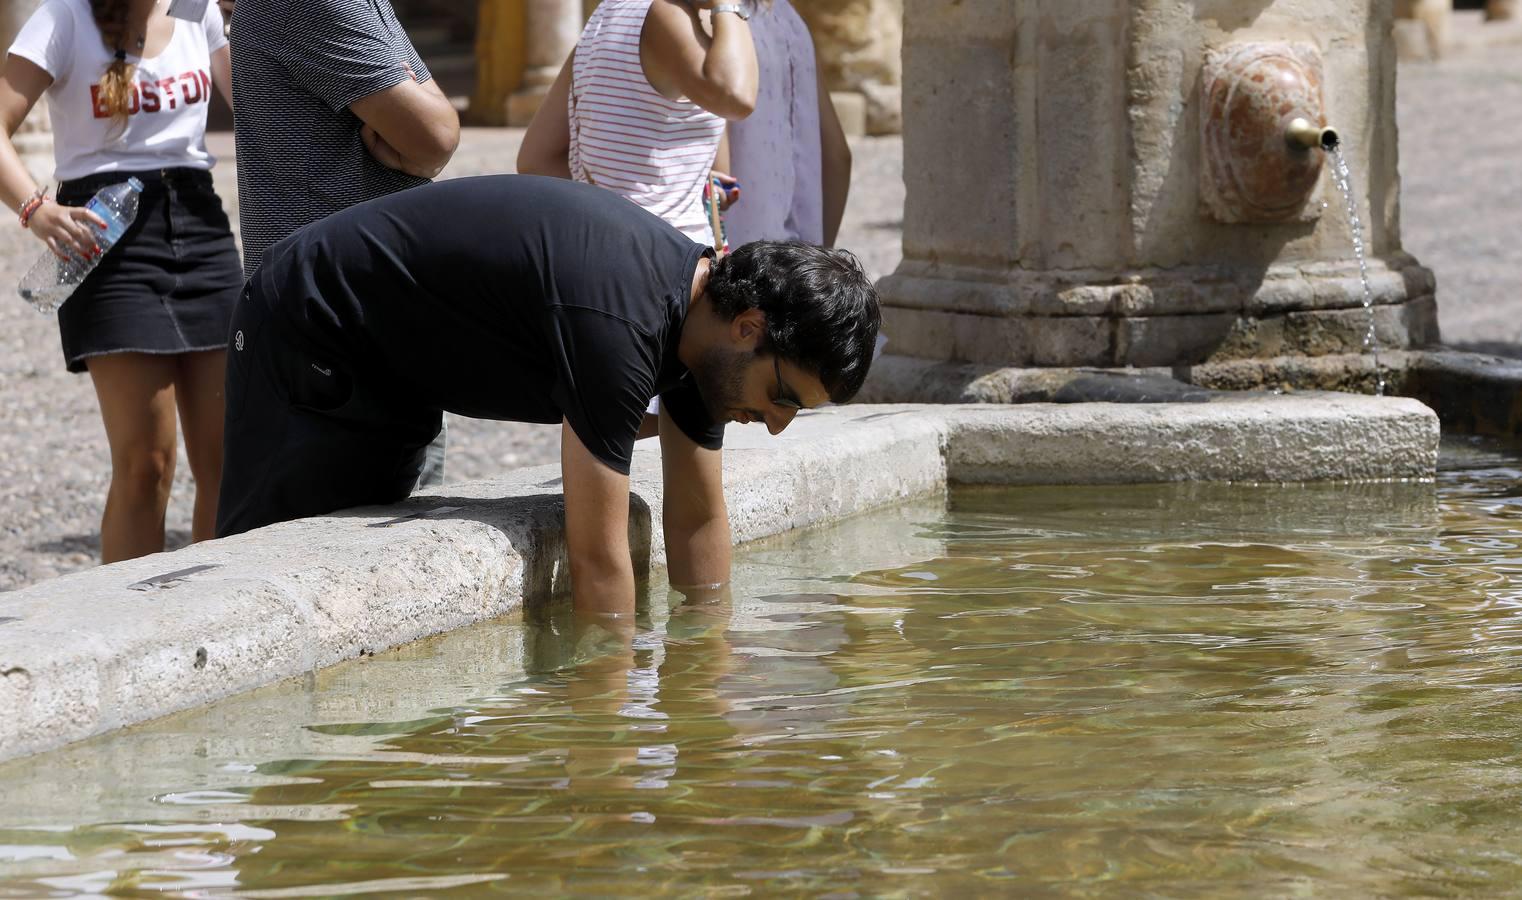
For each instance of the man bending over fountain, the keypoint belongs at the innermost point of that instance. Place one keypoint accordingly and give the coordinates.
(530, 300)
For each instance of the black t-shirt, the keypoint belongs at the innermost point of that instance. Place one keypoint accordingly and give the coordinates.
(503, 297)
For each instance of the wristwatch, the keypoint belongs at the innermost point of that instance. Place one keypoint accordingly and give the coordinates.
(736, 8)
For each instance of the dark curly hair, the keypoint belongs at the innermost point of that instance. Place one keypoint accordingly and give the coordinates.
(821, 308)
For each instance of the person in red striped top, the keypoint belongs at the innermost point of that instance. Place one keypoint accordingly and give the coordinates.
(640, 106)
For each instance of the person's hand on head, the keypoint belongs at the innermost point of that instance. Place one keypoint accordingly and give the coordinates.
(67, 230)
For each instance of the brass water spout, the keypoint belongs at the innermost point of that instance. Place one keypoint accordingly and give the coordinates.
(1302, 132)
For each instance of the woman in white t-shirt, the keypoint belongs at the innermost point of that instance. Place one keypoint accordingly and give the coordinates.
(128, 89)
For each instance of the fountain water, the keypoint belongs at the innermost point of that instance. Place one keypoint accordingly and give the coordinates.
(1343, 176)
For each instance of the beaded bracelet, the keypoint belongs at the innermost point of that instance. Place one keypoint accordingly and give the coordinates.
(32, 205)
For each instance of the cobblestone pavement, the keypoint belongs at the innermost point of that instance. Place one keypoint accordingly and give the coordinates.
(1461, 191)
(1461, 160)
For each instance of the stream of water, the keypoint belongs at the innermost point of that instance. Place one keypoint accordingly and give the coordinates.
(1344, 178)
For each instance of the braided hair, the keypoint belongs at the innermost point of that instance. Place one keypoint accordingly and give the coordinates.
(116, 86)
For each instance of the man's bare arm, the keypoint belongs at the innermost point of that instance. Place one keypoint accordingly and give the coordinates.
(596, 530)
(411, 126)
(694, 518)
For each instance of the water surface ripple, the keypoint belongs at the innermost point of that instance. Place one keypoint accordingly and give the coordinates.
(1166, 690)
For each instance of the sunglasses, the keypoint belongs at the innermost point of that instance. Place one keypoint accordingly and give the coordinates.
(785, 397)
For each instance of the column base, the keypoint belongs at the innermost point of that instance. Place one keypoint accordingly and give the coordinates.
(522, 104)
(1152, 317)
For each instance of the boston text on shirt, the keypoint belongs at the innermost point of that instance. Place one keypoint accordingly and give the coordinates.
(153, 96)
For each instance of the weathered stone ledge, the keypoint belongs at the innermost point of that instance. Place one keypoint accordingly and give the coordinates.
(1472, 393)
(119, 644)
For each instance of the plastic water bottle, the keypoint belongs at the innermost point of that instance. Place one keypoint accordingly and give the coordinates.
(51, 280)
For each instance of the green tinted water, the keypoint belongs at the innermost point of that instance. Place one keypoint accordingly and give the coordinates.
(1169, 690)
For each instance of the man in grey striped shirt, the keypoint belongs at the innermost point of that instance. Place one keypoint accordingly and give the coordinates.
(333, 106)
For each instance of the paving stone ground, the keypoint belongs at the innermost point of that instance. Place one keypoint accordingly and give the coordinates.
(1461, 155)
(1461, 191)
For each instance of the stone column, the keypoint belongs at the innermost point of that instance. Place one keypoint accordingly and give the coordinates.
(34, 139)
(1057, 210)
(1432, 18)
(552, 29)
(499, 60)
(860, 51)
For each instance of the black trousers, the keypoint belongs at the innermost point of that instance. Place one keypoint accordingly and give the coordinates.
(308, 431)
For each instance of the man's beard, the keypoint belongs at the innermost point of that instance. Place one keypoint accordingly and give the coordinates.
(720, 379)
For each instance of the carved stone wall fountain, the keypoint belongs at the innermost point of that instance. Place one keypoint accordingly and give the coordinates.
(1140, 183)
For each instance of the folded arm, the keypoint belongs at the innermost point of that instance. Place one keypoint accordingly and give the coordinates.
(411, 127)
(344, 54)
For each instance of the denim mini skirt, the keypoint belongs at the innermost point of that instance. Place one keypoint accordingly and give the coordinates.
(169, 285)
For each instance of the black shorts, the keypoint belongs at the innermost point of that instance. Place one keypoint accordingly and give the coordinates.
(170, 283)
(308, 431)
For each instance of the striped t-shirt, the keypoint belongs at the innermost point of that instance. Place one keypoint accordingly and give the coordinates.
(297, 65)
(628, 138)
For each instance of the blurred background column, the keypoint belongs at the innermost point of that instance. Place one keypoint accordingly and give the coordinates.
(860, 49)
(34, 140)
(550, 33)
(499, 51)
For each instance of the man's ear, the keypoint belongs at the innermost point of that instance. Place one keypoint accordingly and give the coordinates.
(748, 328)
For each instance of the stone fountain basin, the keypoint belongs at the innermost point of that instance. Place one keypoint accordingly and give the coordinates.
(120, 644)
(1472, 393)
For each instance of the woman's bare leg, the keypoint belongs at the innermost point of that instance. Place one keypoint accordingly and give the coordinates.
(198, 390)
(136, 394)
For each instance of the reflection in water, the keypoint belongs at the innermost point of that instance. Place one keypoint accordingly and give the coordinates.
(1171, 689)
